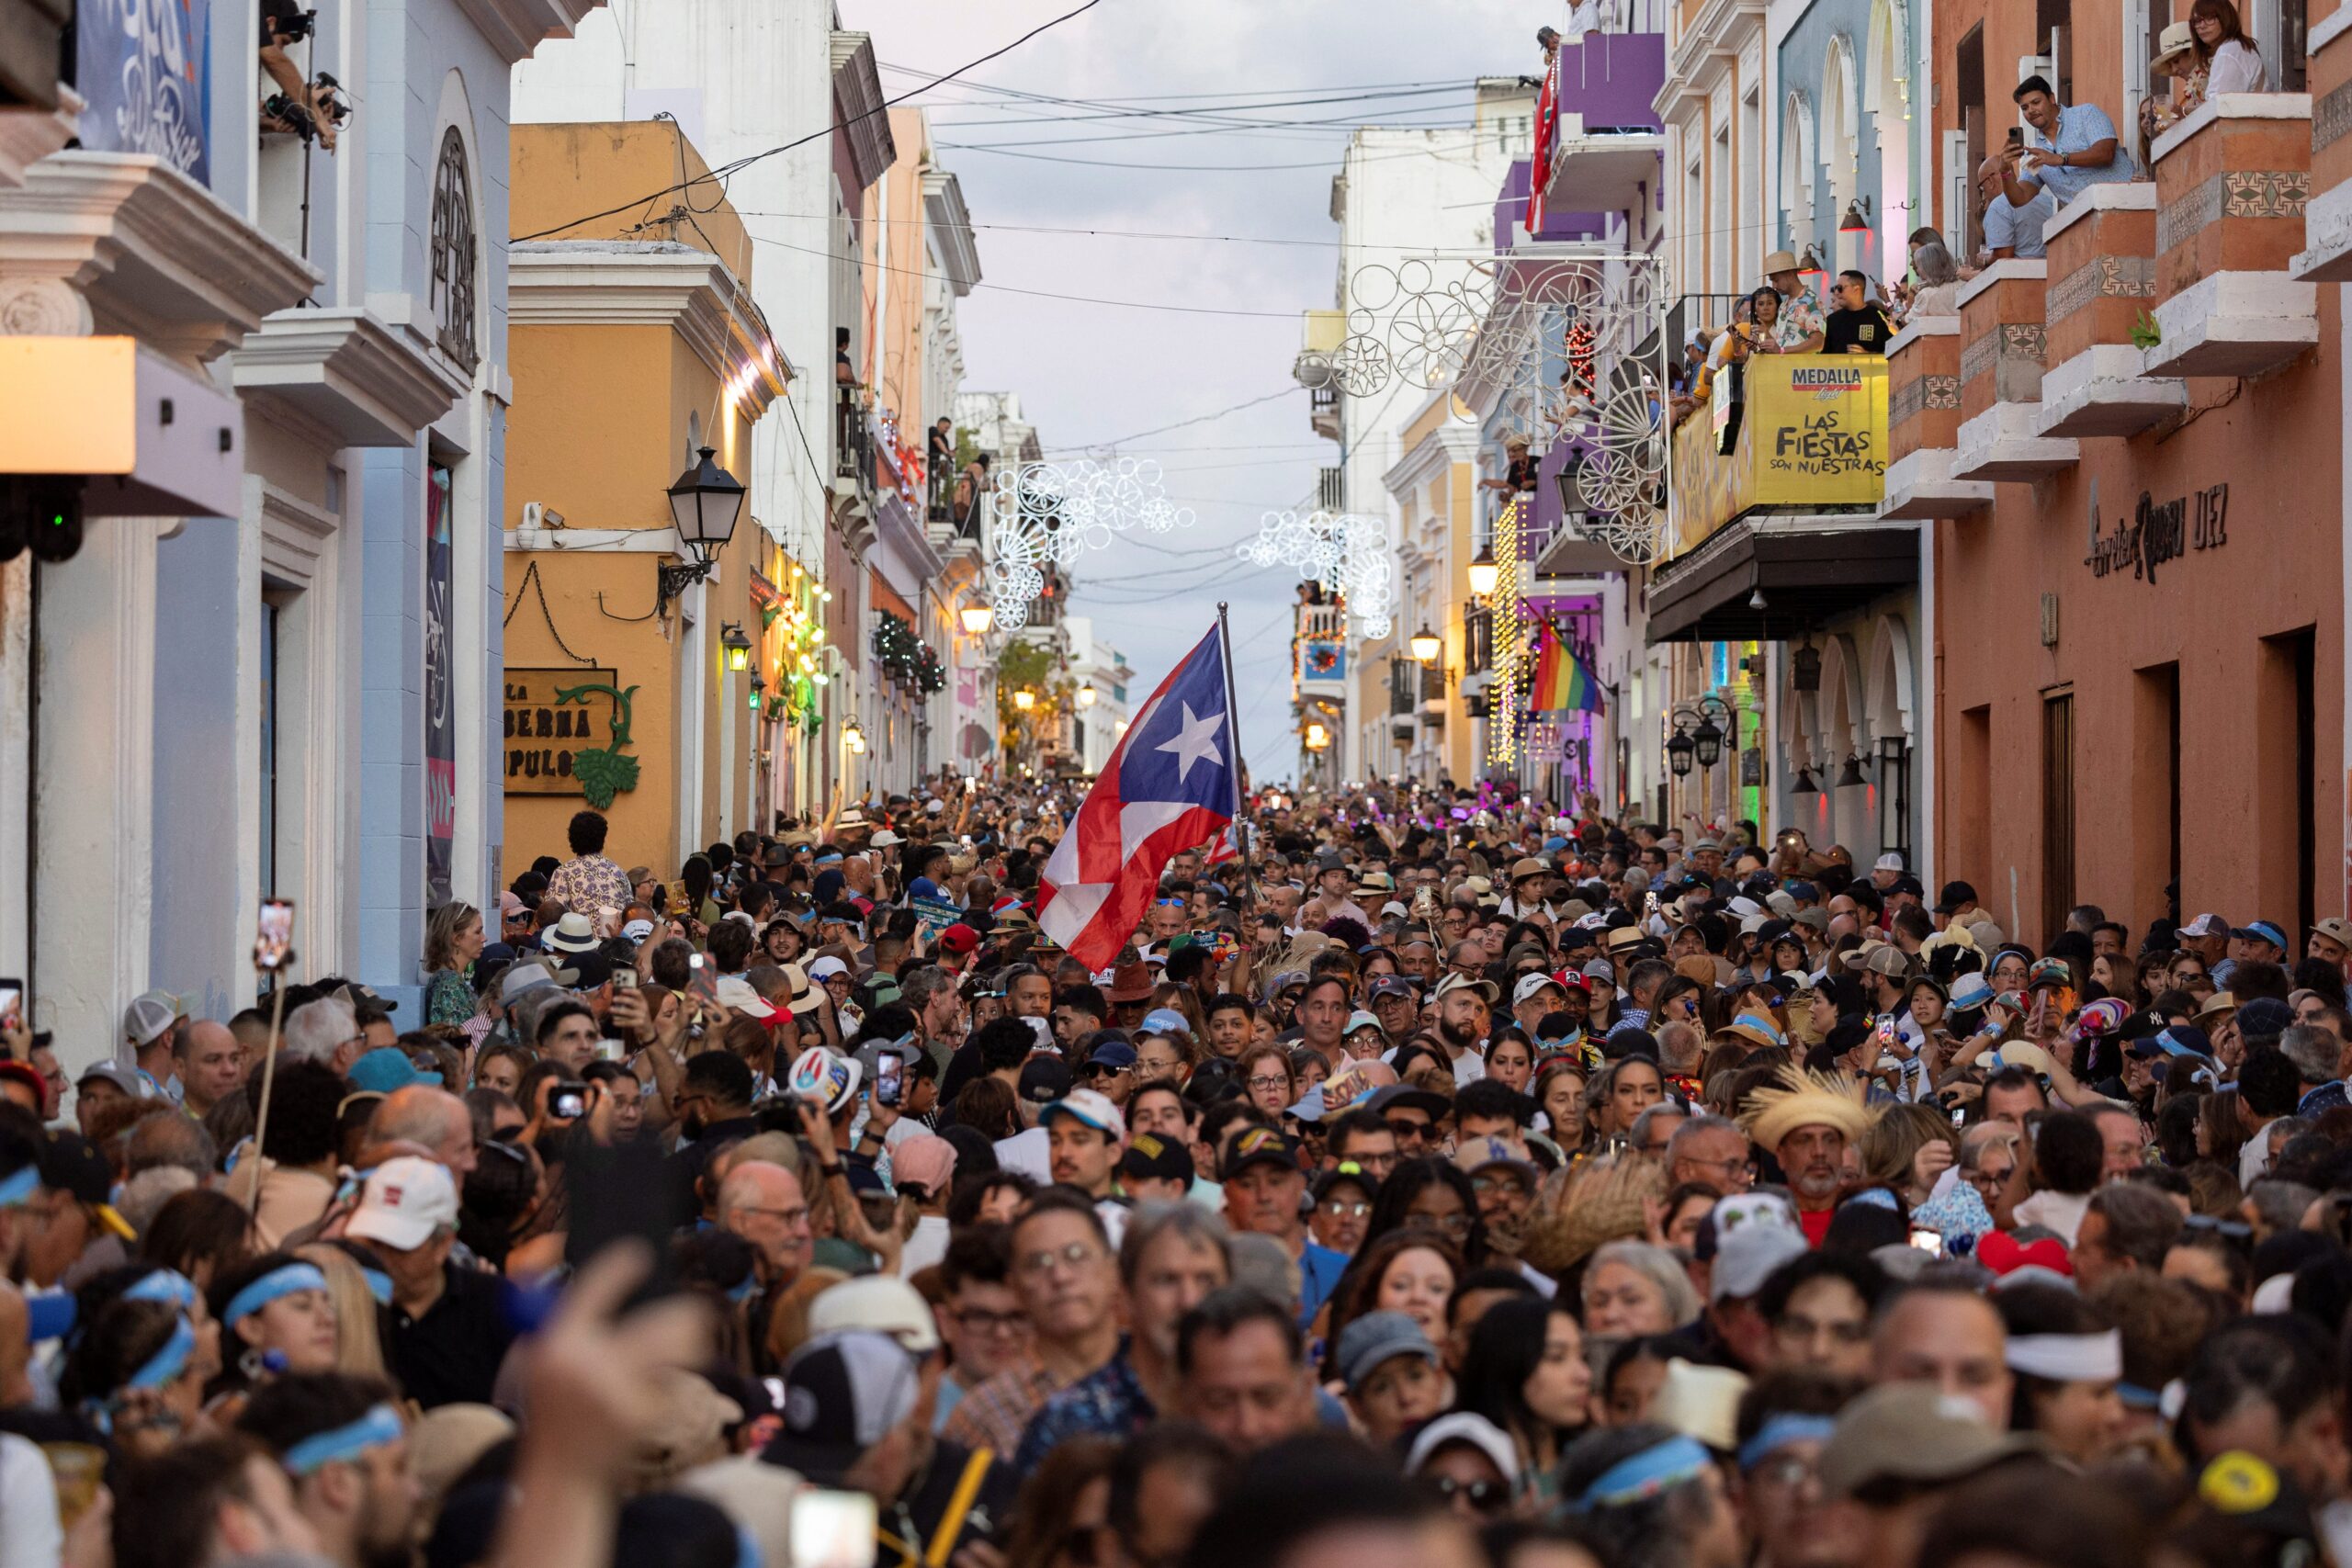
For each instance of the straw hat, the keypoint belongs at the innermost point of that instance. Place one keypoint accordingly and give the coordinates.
(1802, 1098)
(2171, 44)
(1587, 1205)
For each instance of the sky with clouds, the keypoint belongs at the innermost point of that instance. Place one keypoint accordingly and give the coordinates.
(1095, 373)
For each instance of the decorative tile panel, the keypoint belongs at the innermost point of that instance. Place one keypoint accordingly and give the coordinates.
(2103, 278)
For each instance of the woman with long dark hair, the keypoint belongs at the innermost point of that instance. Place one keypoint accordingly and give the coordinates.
(1525, 1371)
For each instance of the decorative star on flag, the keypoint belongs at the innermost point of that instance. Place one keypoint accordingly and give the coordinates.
(1171, 783)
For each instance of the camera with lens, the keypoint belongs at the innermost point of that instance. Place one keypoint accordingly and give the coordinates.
(295, 28)
(295, 117)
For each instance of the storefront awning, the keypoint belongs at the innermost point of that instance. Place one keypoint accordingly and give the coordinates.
(1808, 569)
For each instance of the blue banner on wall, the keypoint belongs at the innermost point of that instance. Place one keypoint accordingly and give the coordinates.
(145, 66)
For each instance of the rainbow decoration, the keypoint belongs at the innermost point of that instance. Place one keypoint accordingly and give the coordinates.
(1561, 682)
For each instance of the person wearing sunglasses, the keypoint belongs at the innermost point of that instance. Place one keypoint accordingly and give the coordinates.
(1465, 1462)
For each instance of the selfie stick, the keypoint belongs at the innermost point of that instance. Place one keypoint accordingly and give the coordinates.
(268, 1076)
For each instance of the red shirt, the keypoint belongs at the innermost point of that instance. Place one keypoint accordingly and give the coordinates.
(1816, 1224)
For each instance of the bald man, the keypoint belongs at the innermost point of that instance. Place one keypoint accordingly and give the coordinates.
(436, 1121)
(762, 1203)
(209, 1065)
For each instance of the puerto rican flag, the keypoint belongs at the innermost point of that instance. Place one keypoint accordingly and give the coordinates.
(1171, 783)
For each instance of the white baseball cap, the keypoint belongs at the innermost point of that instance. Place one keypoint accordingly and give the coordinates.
(1888, 862)
(882, 1303)
(1529, 984)
(1090, 1106)
(404, 1202)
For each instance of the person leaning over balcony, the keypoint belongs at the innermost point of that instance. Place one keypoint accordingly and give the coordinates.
(2227, 61)
(2068, 151)
(1518, 474)
(1797, 329)
(2011, 228)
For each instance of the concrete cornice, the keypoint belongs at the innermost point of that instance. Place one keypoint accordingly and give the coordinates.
(156, 254)
(29, 135)
(1712, 38)
(515, 28)
(950, 222)
(569, 283)
(369, 384)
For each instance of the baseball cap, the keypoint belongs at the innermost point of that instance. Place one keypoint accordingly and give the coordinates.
(1953, 896)
(825, 968)
(2336, 929)
(958, 939)
(1888, 861)
(1454, 983)
(819, 1075)
(1971, 990)
(1748, 1255)
(1391, 986)
(883, 1303)
(2264, 1015)
(1043, 1078)
(70, 1163)
(636, 931)
(1910, 1432)
(1463, 1427)
(404, 1202)
(2208, 924)
(1089, 1106)
(1887, 959)
(842, 1392)
(2263, 931)
(1601, 969)
(1261, 1145)
(131, 1080)
(386, 1069)
(1530, 984)
(1359, 1019)
(149, 1016)
(1114, 1053)
(1151, 1156)
(735, 991)
(1166, 1020)
(1377, 1337)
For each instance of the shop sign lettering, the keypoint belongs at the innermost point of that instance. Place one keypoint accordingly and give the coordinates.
(2159, 533)
(544, 738)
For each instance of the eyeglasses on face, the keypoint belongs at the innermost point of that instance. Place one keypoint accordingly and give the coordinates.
(1351, 1209)
(1405, 1127)
(1074, 1255)
(1486, 1496)
(978, 1320)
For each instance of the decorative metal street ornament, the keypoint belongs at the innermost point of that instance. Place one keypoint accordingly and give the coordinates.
(1342, 551)
(1045, 514)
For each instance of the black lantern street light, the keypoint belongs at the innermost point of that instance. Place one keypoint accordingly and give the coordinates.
(1696, 723)
(704, 505)
(1677, 752)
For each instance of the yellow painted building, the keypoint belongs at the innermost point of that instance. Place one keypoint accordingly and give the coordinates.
(1435, 488)
(631, 349)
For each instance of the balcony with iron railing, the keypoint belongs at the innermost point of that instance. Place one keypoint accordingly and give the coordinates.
(1477, 641)
(1404, 686)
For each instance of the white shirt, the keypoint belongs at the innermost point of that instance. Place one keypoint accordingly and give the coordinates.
(29, 1534)
(2254, 1158)
(1030, 1153)
(2236, 68)
(926, 1246)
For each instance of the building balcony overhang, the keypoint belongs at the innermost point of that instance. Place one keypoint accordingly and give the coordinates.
(1807, 569)
(349, 374)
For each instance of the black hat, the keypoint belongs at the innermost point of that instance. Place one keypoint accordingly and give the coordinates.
(1043, 1079)
(842, 1393)
(1262, 1146)
(1953, 896)
(1149, 1156)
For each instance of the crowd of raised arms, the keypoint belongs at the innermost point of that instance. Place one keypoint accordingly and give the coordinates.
(1435, 1176)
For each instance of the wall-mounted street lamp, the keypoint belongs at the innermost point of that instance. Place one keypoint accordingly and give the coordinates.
(853, 737)
(1024, 699)
(977, 618)
(1427, 645)
(704, 505)
(1086, 695)
(1484, 570)
(737, 646)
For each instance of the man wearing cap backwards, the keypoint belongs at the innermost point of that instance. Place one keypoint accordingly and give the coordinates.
(342, 1442)
(1807, 1121)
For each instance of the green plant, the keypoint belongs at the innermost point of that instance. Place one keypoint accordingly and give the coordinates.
(604, 770)
(2147, 333)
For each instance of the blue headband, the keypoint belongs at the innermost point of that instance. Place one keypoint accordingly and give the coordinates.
(380, 1284)
(381, 1425)
(1782, 1429)
(17, 1188)
(277, 1282)
(166, 1363)
(166, 1285)
(1646, 1475)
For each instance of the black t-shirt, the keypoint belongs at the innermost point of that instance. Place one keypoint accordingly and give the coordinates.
(451, 1355)
(1864, 331)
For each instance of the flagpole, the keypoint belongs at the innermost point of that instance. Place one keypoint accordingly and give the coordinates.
(1241, 771)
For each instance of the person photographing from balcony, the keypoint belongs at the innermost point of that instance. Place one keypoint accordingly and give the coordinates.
(284, 22)
(1797, 328)
(2068, 149)
(1519, 473)
(1859, 324)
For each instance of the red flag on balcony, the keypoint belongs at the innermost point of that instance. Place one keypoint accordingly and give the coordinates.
(1539, 162)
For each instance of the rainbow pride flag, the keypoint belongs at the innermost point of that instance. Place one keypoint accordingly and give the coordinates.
(1562, 681)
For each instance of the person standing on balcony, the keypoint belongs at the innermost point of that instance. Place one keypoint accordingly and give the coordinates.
(2068, 151)
(1859, 325)
(1519, 473)
(1797, 327)
(2226, 59)
(2011, 228)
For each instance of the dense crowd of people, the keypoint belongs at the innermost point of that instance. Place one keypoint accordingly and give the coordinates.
(1445, 1178)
